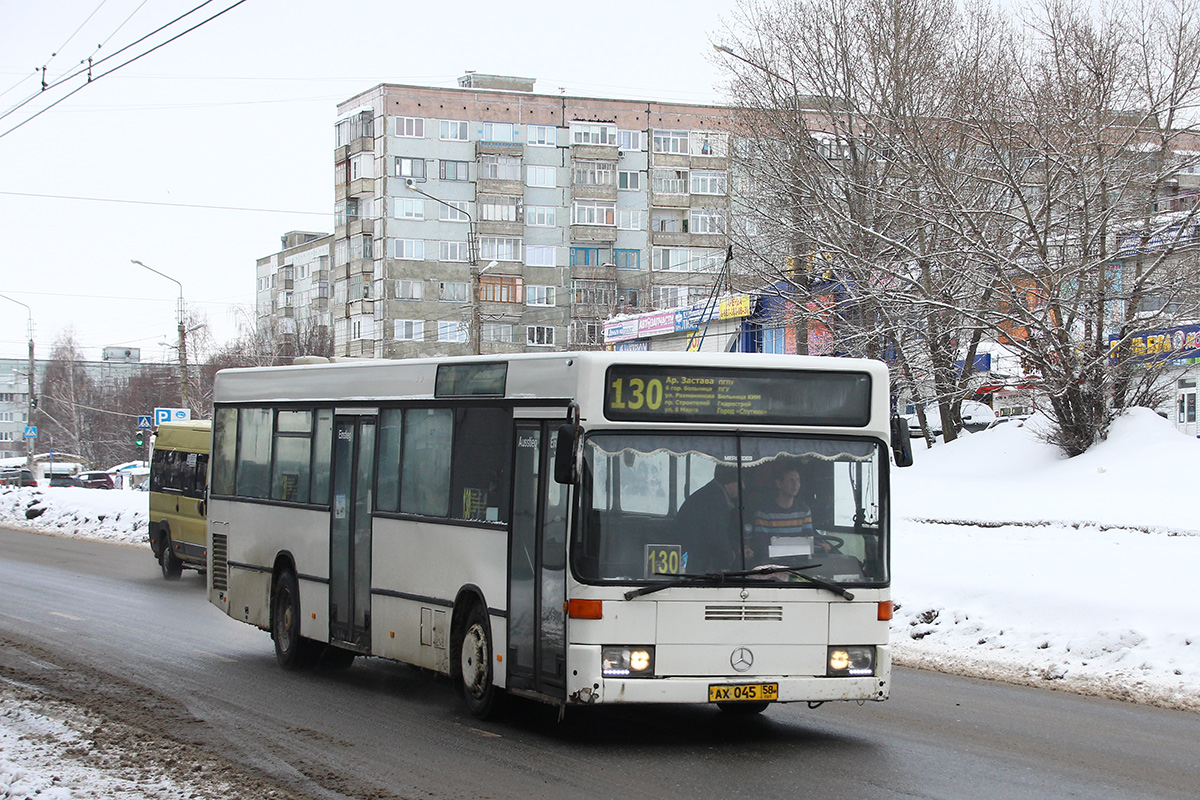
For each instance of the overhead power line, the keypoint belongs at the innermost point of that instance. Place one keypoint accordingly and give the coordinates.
(92, 78)
(168, 205)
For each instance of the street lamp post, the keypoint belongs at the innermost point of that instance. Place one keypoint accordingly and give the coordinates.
(801, 274)
(472, 260)
(32, 402)
(183, 371)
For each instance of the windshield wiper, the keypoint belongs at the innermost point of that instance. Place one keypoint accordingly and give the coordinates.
(721, 577)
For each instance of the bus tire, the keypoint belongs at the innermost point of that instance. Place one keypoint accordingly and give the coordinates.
(475, 664)
(172, 567)
(292, 650)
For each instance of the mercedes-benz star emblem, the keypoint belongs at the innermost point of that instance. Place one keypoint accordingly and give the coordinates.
(741, 659)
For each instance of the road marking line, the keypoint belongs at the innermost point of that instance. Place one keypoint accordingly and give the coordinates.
(67, 616)
(220, 658)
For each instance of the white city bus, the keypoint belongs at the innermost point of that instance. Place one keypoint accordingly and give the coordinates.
(521, 523)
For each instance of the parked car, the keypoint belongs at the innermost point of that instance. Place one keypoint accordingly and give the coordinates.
(64, 480)
(17, 477)
(96, 480)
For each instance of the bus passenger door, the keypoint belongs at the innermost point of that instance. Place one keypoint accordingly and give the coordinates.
(350, 531)
(537, 566)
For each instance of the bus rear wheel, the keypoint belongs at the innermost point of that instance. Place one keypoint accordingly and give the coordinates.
(172, 567)
(475, 664)
(292, 650)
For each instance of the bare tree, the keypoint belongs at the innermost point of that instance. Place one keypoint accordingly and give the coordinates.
(958, 180)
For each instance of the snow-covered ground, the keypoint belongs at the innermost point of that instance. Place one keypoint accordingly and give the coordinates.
(1008, 562)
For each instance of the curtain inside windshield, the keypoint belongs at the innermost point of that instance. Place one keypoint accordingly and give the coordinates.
(659, 506)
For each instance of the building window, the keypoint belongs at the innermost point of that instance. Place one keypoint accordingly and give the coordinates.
(587, 332)
(454, 211)
(452, 292)
(627, 259)
(357, 126)
(541, 255)
(594, 212)
(408, 208)
(629, 181)
(497, 132)
(454, 130)
(453, 251)
(631, 219)
(539, 295)
(410, 127)
(708, 143)
(366, 248)
(595, 173)
(452, 332)
(500, 208)
(593, 293)
(630, 140)
(496, 332)
(410, 167)
(672, 221)
(672, 258)
(410, 330)
(499, 248)
(410, 290)
(454, 170)
(627, 298)
(539, 335)
(541, 136)
(706, 182)
(586, 256)
(409, 249)
(499, 168)
(676, 296)
(671, 181)
(593, 133)
(540, 216)
(540, 176)
(501, 289)
(773, 340)
(707, 221)
(670, 142)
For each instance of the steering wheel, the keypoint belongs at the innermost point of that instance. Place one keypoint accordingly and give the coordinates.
(835, 542)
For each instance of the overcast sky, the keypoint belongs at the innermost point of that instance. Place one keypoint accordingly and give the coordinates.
(196, 157)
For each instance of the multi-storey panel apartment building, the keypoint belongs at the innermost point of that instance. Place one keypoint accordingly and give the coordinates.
(495, 219)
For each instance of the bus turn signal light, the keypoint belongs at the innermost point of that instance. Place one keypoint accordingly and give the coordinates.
(585, 609)
(885, 610)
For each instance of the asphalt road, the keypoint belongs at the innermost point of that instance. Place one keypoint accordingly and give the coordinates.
(95, 623)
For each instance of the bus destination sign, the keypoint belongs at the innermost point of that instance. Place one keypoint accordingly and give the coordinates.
(652, 393)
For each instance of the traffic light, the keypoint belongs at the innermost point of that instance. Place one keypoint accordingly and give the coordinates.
(139, 438)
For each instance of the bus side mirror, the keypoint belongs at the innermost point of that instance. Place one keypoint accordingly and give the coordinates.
(901, 442)
(564, 455)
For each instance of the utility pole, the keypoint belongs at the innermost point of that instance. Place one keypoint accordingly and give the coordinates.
(32, 401)
(472, 260)
(183, 366)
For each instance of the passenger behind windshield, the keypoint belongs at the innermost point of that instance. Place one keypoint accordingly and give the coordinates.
(709, 524)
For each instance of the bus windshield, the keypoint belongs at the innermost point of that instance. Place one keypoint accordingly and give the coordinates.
(658, 506)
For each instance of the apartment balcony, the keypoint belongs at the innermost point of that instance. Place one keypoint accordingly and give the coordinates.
(500, 228)
(601, 272)
(594, 152)
(583, 234)
(287, 283)
(360, 307)
(587, 191)
(660, 200)
(497, 186)
(514, 149)
(359, 186)
(363, 144)
(355, 226)
(673, 239)
(666, 160)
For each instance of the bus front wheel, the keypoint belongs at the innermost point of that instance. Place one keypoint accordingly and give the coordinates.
(172, 567)
(475, 664)
(292, 650)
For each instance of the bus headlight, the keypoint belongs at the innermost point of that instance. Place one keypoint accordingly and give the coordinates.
(854, 661)
(618, 661)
